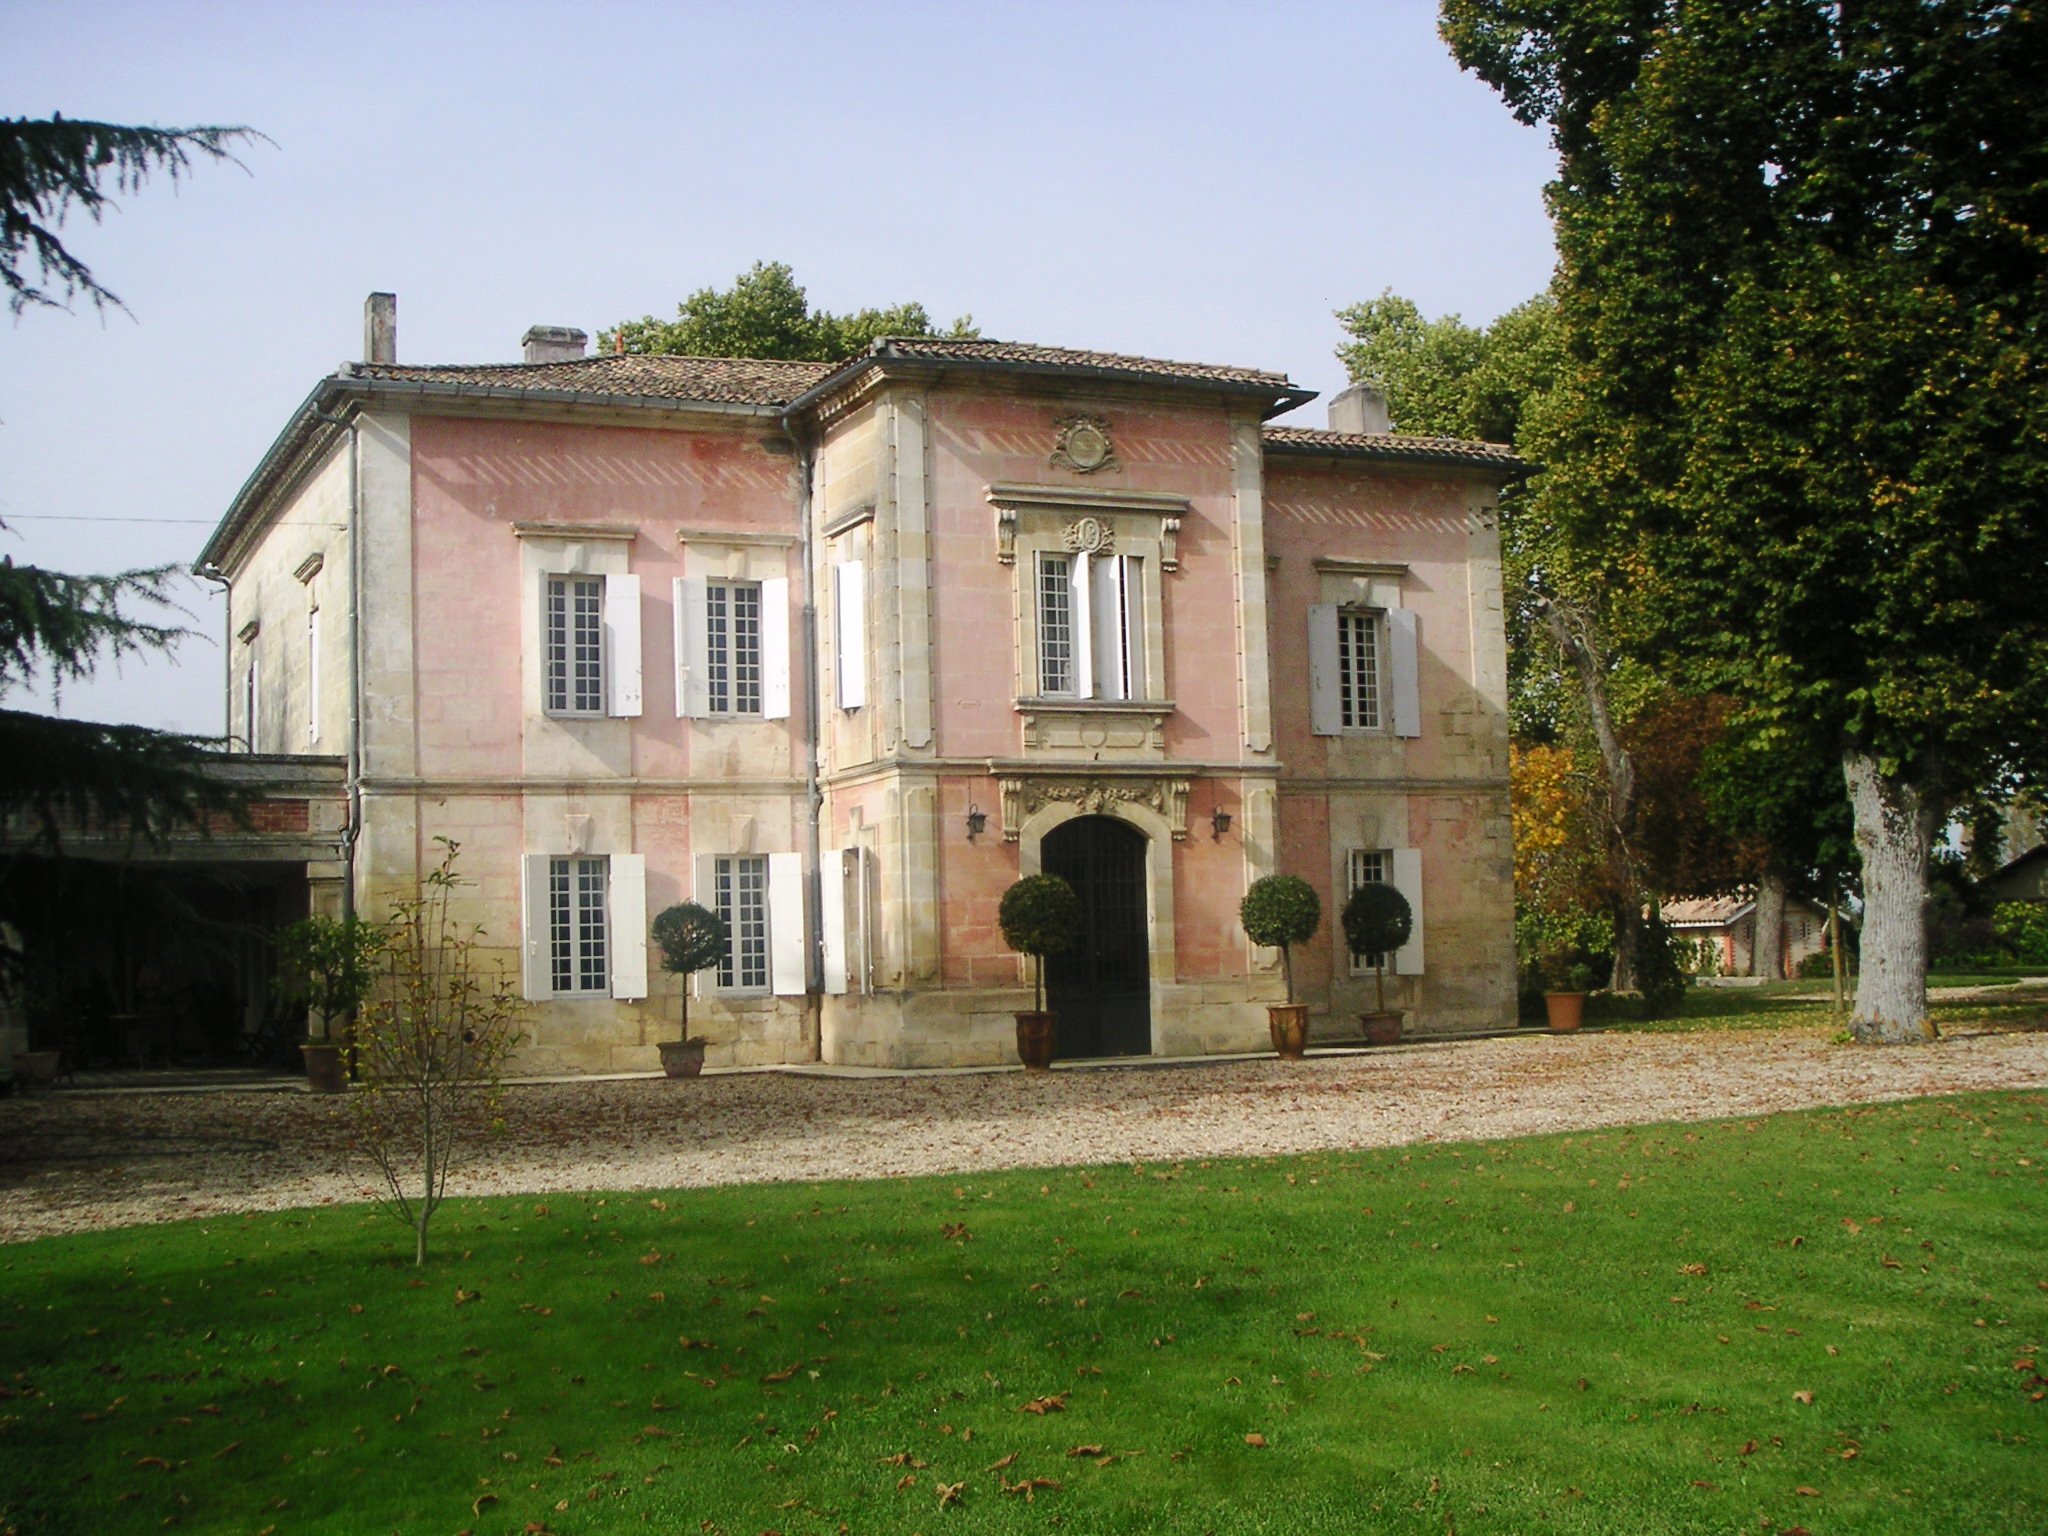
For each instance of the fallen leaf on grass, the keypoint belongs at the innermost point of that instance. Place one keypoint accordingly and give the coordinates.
(1057, 1403)
(950, 1493)
(1807, 1493)
(227, 1450)
(997, 1466)
(1028, 1487)
(783, 1375)
(463, 1298)
(1255, 1440)
(1084, 1450)
(1803, 1396)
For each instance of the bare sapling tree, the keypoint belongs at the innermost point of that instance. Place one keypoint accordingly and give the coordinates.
(433, 1039)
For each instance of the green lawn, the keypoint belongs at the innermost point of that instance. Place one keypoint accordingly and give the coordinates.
(1824, 1321)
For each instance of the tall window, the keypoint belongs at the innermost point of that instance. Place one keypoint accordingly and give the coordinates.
(1369, 866)
(1055, 625)
(733, 646)
(251, 688)
(1358, 669)
(739, 887)
(312, 668)
(1091, 626)
(579, 950)
(572, 645)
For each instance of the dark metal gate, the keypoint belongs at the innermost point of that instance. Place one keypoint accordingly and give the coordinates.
(1101, 990)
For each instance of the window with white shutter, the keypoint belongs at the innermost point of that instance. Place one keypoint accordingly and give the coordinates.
(1362, 665)
(590, 645)
(732, 648)
(1091, 627)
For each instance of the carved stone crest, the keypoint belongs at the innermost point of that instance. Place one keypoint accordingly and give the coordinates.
(1090, 536)
(1082, 444)
(1023, 797)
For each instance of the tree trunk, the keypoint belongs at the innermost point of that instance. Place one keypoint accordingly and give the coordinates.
(1895, 822)
(1573, 632)
(1767, 931)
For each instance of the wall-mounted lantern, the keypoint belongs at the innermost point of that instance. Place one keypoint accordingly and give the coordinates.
(1219, 823)
(977, 822)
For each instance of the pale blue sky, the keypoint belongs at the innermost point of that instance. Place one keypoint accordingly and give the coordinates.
(1198, 181)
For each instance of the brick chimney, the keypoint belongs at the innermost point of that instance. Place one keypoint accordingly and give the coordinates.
(553, 344)
(1359, 408)
(380, 328)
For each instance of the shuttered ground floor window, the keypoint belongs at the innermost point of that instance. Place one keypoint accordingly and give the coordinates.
(739, 885)
(578, 941)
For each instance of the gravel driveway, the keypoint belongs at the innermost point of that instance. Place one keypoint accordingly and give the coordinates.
(73, 1161)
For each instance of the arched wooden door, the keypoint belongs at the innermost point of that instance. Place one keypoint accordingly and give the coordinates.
(1101, 990)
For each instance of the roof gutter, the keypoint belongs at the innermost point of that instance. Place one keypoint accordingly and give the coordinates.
(1280, 398)
(311, 430)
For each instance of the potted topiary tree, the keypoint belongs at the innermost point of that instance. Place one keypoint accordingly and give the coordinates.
(691, 938)
(1377, 921)
(329, 964)
(1280, 911)
(1040, 915)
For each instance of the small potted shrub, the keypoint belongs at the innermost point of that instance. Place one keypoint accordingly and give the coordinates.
(1040, 915)
(1377, 921)
(691, 938)
(1567, 977)
(1281, 911)
(331, 963)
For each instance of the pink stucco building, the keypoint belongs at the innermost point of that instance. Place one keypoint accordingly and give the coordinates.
(843, 649)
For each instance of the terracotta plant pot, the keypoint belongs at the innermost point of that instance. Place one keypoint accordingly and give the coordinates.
(1289, 1025)
(1035, 1041)
(326, 1066)
(681, 1058)
(1565, 1010)
(37, 1069)
(1381, 1028)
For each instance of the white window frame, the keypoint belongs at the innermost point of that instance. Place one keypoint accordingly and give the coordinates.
(707, 656)
(850, 610)
(1365, 866)
(312, 665)
(1338, 703)
(579, 926)
(251, 693)
(739, 894)
(609, 627)
(1090, 626)
(620, 891)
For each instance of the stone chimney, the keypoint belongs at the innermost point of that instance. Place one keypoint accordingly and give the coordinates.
(380, 328)
(1359, 408)
(553, 344)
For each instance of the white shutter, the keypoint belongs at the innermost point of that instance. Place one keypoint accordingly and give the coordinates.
(536, 972)
(1108, 629)
(1408, 881)
(852, 599)
(1402, 651)
(832, 918)
(1325, 687)
(1131, 630)
(1081, 611)
(629, 926)
(693, 630)
(622, 644)
(775, 650)
(786, 923)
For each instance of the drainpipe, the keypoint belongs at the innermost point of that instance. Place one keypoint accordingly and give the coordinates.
(353, 826)
(814, 797)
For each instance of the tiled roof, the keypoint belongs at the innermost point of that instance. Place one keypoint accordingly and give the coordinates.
(1399, 446)
(957, 349)
(1706, 911)
(725, 380)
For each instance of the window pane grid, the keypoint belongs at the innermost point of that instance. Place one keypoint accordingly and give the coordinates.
(1358, 670)
(1055, 626)
(577, 934)
(572, 645)
(732, 647)
(1368, 867)
(740, 893)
